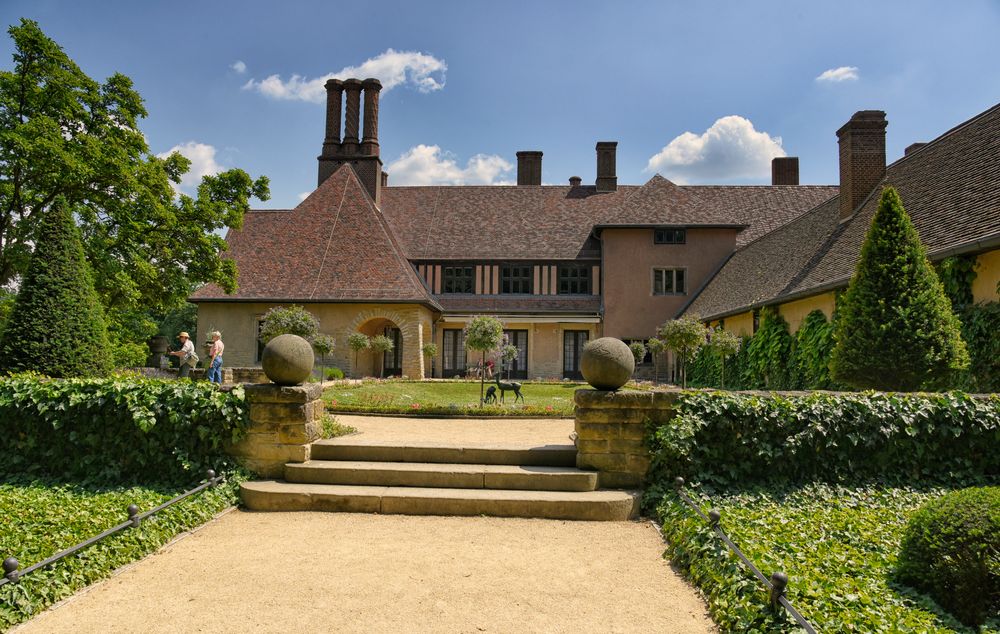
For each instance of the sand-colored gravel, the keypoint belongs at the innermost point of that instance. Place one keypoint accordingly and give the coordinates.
(327, 572)
(472, 431)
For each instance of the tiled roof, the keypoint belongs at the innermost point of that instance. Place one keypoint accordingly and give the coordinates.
(335, 246)
(520, 304)
(949, 187)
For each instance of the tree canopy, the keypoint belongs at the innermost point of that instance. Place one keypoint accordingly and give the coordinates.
(63, 134)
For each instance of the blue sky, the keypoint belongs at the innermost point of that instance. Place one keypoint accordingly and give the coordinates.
(701, 92)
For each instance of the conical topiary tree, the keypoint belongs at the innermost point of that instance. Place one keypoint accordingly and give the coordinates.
(896, 329)
(57, 326)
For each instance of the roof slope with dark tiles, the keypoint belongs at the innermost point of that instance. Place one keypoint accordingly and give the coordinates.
(555, 222)
(335, 246)
(949, 187)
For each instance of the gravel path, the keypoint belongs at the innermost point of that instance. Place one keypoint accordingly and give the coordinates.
(281, 572)
(541, 431)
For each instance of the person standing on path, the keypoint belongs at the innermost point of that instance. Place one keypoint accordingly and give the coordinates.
(215, 358)
(186, 355)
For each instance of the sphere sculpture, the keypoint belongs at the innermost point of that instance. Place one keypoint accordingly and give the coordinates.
(607, 363)
(287, 359)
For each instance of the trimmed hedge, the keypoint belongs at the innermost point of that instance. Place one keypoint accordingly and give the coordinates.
(125, 428)
(951, 551)
(735, 438)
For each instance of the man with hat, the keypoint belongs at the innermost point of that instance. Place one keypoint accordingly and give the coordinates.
(187, 356)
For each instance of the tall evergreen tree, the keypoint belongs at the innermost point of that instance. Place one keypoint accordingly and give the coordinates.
(57, 325)
(896, 329)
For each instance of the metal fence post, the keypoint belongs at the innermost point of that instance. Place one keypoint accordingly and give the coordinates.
(10, 566)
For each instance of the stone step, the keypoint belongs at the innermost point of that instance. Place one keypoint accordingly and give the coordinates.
(496, 454)
(438, 475)
(271, 495)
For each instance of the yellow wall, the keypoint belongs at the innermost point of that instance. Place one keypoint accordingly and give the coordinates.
(984, 287)
(795, 312)
(238, 324)
(741, 324)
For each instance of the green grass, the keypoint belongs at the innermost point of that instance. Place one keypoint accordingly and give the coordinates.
(449, 397)
(41, 518)
(838, 546)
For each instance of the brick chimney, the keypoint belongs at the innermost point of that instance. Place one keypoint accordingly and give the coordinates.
(862, 158)
(785, 170)
(913, 147)
(574, 181)
(529, 168)
(606, 179)
(362, 154)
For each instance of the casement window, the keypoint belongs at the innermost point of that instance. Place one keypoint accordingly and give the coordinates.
(573, 343)
(458, 279)
(517, 279)
(669, 282)
(574, 279)
(453, 355)
(669, 236)
(519, 366)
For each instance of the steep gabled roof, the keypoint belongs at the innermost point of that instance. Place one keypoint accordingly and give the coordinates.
(335, 246)
(950, 188)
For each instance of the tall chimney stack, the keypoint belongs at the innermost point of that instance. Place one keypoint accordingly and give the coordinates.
(785, 170)
(862, 158)
(529, 168)
(369, 144)
(361, 154)
(607, 181)
(334, 91)
(352, 143)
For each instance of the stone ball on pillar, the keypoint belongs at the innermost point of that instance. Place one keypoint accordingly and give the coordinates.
(607, 363)
(287, 360)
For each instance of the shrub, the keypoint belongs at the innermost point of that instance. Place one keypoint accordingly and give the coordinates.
(813, 346)
(724, 344)
(980, 325)
(728, 438)
(951, 551)
(684, 336)
(291, 320)
(483, 334)
(380, 344)
(769, 354)
(333, 374)
(57, 326)
(120, 428)
(357, 342)
(896, 330)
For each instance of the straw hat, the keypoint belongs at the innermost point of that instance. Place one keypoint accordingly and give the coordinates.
(184, 334)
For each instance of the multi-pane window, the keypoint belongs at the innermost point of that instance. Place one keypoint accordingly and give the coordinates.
(517, 278)
(669, 236)
(573, 343)
(669, 282)
(453, 355)
(574, 279)
(457, 279)
(519, 366)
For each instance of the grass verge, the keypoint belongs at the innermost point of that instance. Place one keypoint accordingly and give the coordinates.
(837, 544)
(42, 517)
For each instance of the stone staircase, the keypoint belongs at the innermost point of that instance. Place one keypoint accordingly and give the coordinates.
(509, 480)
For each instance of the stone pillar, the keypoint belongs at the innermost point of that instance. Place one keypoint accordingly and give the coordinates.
(350, 145)
(334, 95)
(611, 431)
(283, 421)
(369, 144)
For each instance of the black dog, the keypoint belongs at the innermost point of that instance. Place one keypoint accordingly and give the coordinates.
(491, 394)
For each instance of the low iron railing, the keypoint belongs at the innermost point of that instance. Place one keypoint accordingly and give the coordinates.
(778, 582)
(10, 565)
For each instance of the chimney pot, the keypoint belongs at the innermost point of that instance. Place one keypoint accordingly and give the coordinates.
(785, 170)
(529, 168)
(862, 158)
(574, 181)
(913, 147)
(607, 181)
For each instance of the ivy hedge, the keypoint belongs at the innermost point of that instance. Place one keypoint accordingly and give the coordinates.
(120, 429)
(726, 438)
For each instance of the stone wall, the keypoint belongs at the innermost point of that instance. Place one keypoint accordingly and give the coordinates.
(611, 427)
(283, 421)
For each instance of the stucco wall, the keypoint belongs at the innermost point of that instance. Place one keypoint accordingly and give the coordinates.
(238, 324)
(984, 287)
(741, 324)
(795, 312)
(631, 311)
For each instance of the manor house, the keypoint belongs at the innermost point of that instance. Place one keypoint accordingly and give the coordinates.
(563, 264)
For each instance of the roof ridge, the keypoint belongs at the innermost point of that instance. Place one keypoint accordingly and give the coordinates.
(968, 122)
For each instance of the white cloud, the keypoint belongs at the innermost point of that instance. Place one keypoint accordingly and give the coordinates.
(393, 68)
(202, 157)
(239, 67)
(837, 75)
(729, 150)
(428, 165)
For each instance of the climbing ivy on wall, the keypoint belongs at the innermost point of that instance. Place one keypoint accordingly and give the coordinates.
(957, 275)
(769, 354)
(813, 345)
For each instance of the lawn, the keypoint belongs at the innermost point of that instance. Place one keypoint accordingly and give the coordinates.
(449, 397)
(837, 544)
(41, 518)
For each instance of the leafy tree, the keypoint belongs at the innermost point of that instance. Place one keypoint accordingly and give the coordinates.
(323, 345)
(684, 336)
(57, 327)
(656, 348)
(65, 135)
(770, 353)
(380, 344)
(638, 349)
(358, 341)
(291, 320)
(725, 344)
(508, 352)
(896, 329)
(430, 351)
(483, 334)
